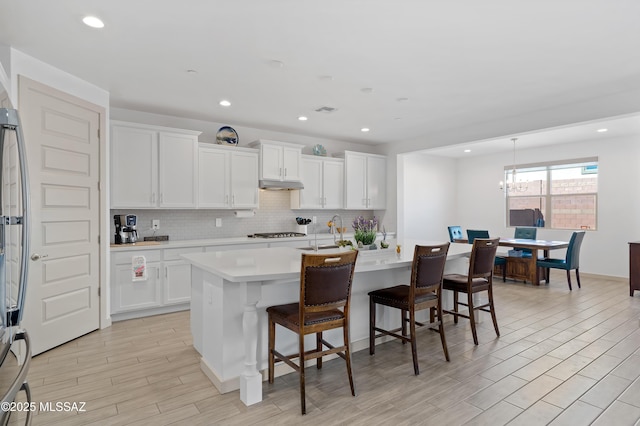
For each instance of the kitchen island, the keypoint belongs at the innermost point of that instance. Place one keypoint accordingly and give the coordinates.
(230, 291)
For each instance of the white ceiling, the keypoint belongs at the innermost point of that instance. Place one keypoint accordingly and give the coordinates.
(458, 63)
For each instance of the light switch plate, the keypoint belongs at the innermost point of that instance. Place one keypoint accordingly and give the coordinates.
(218, 222)
(155, 224)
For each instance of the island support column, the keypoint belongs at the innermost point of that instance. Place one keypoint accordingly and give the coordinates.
(251, 379)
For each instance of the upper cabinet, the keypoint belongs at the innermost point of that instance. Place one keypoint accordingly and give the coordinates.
(228, 177)
(279, 161)
(323, 180)
(365, 181)
(152, 166)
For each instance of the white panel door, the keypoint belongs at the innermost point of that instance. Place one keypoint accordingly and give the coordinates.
(355, 166)
(62, 140)
(311, 196)
(213, 178)
(178, 156)
(333, 184)
(244, 180)
(134, 167)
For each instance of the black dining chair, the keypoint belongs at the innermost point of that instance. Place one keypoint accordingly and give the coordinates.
(571, 260)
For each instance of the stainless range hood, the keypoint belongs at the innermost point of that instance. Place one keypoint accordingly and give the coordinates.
(278, 184)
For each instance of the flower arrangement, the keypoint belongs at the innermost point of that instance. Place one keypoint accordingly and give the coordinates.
(365, 230)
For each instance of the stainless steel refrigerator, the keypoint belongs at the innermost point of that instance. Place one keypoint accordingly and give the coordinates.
(15, 350)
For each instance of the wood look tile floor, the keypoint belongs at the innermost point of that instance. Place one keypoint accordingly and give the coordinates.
(563, 358)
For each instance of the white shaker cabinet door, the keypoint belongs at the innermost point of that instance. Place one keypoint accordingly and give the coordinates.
(355, 181)
(291, 163)
(134, 167)
(244, 180)
(271, 162)
(311, 196)
(177, 282)
(213, 178)
(178, 170)
(377, 182)
(333, 184)
(129, 295)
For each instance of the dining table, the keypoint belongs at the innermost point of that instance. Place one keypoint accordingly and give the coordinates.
(529, 271)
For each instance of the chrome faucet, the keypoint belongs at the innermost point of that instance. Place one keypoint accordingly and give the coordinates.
(334, 226)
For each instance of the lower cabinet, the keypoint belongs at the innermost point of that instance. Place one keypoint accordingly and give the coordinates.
(177, 286)
(167, 287)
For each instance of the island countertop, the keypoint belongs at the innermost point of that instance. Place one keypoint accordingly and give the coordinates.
(266, 264)
(231, 289)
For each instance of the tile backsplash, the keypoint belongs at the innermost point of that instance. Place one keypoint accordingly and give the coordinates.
(274, 215)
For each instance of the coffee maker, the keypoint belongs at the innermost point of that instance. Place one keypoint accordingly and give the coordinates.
(125, 228)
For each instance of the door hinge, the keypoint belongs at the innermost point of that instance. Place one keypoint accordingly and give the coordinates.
(98, 132)
(98, 291)
(99, 186)
(98, 239)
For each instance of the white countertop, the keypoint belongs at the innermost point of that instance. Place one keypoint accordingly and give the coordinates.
(280, 263)
(226, 241)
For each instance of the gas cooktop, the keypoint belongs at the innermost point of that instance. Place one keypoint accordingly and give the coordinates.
(277, 235)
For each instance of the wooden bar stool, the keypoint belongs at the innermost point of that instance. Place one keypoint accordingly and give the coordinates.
(479, 278)
(424, 292)
(325, 296)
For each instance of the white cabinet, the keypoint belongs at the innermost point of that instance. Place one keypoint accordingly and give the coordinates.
(279, 161)
(152, 166)
(323, 180)
(166, 289)
(365, 181)
(228, 177)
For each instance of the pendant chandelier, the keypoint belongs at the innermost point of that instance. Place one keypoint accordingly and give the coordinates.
(513, 185)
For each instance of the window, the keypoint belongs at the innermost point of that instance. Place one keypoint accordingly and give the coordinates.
(553, 195)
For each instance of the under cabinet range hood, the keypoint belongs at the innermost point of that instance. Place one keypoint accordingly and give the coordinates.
(279, 184)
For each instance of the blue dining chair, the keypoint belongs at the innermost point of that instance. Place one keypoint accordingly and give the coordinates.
(571, 261)
(472, 234)
(455, 233)
(525, 234)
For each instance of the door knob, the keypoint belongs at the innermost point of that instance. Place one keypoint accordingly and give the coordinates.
(36, 256)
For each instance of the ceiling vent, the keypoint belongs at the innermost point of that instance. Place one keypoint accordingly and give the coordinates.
(326, 109)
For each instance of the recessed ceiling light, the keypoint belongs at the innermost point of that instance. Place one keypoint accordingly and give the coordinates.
(192, 71)
(402, 99)
(225, 103)
(302, 118)
(325, 78)
(364, 129)
(93, 22)
(367, 90)
(467, 150)
(602, 130)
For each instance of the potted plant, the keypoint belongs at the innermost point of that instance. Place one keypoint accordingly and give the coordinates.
(365, 230)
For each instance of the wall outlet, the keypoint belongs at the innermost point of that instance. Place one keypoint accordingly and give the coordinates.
(155, 224)
(218, 222)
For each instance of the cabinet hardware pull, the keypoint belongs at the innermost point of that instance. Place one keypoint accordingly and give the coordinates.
(166, 271)
(158, 273)
(226, 199)
(233, 200)
(285, 172)
(36, 256)
(280, 172)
